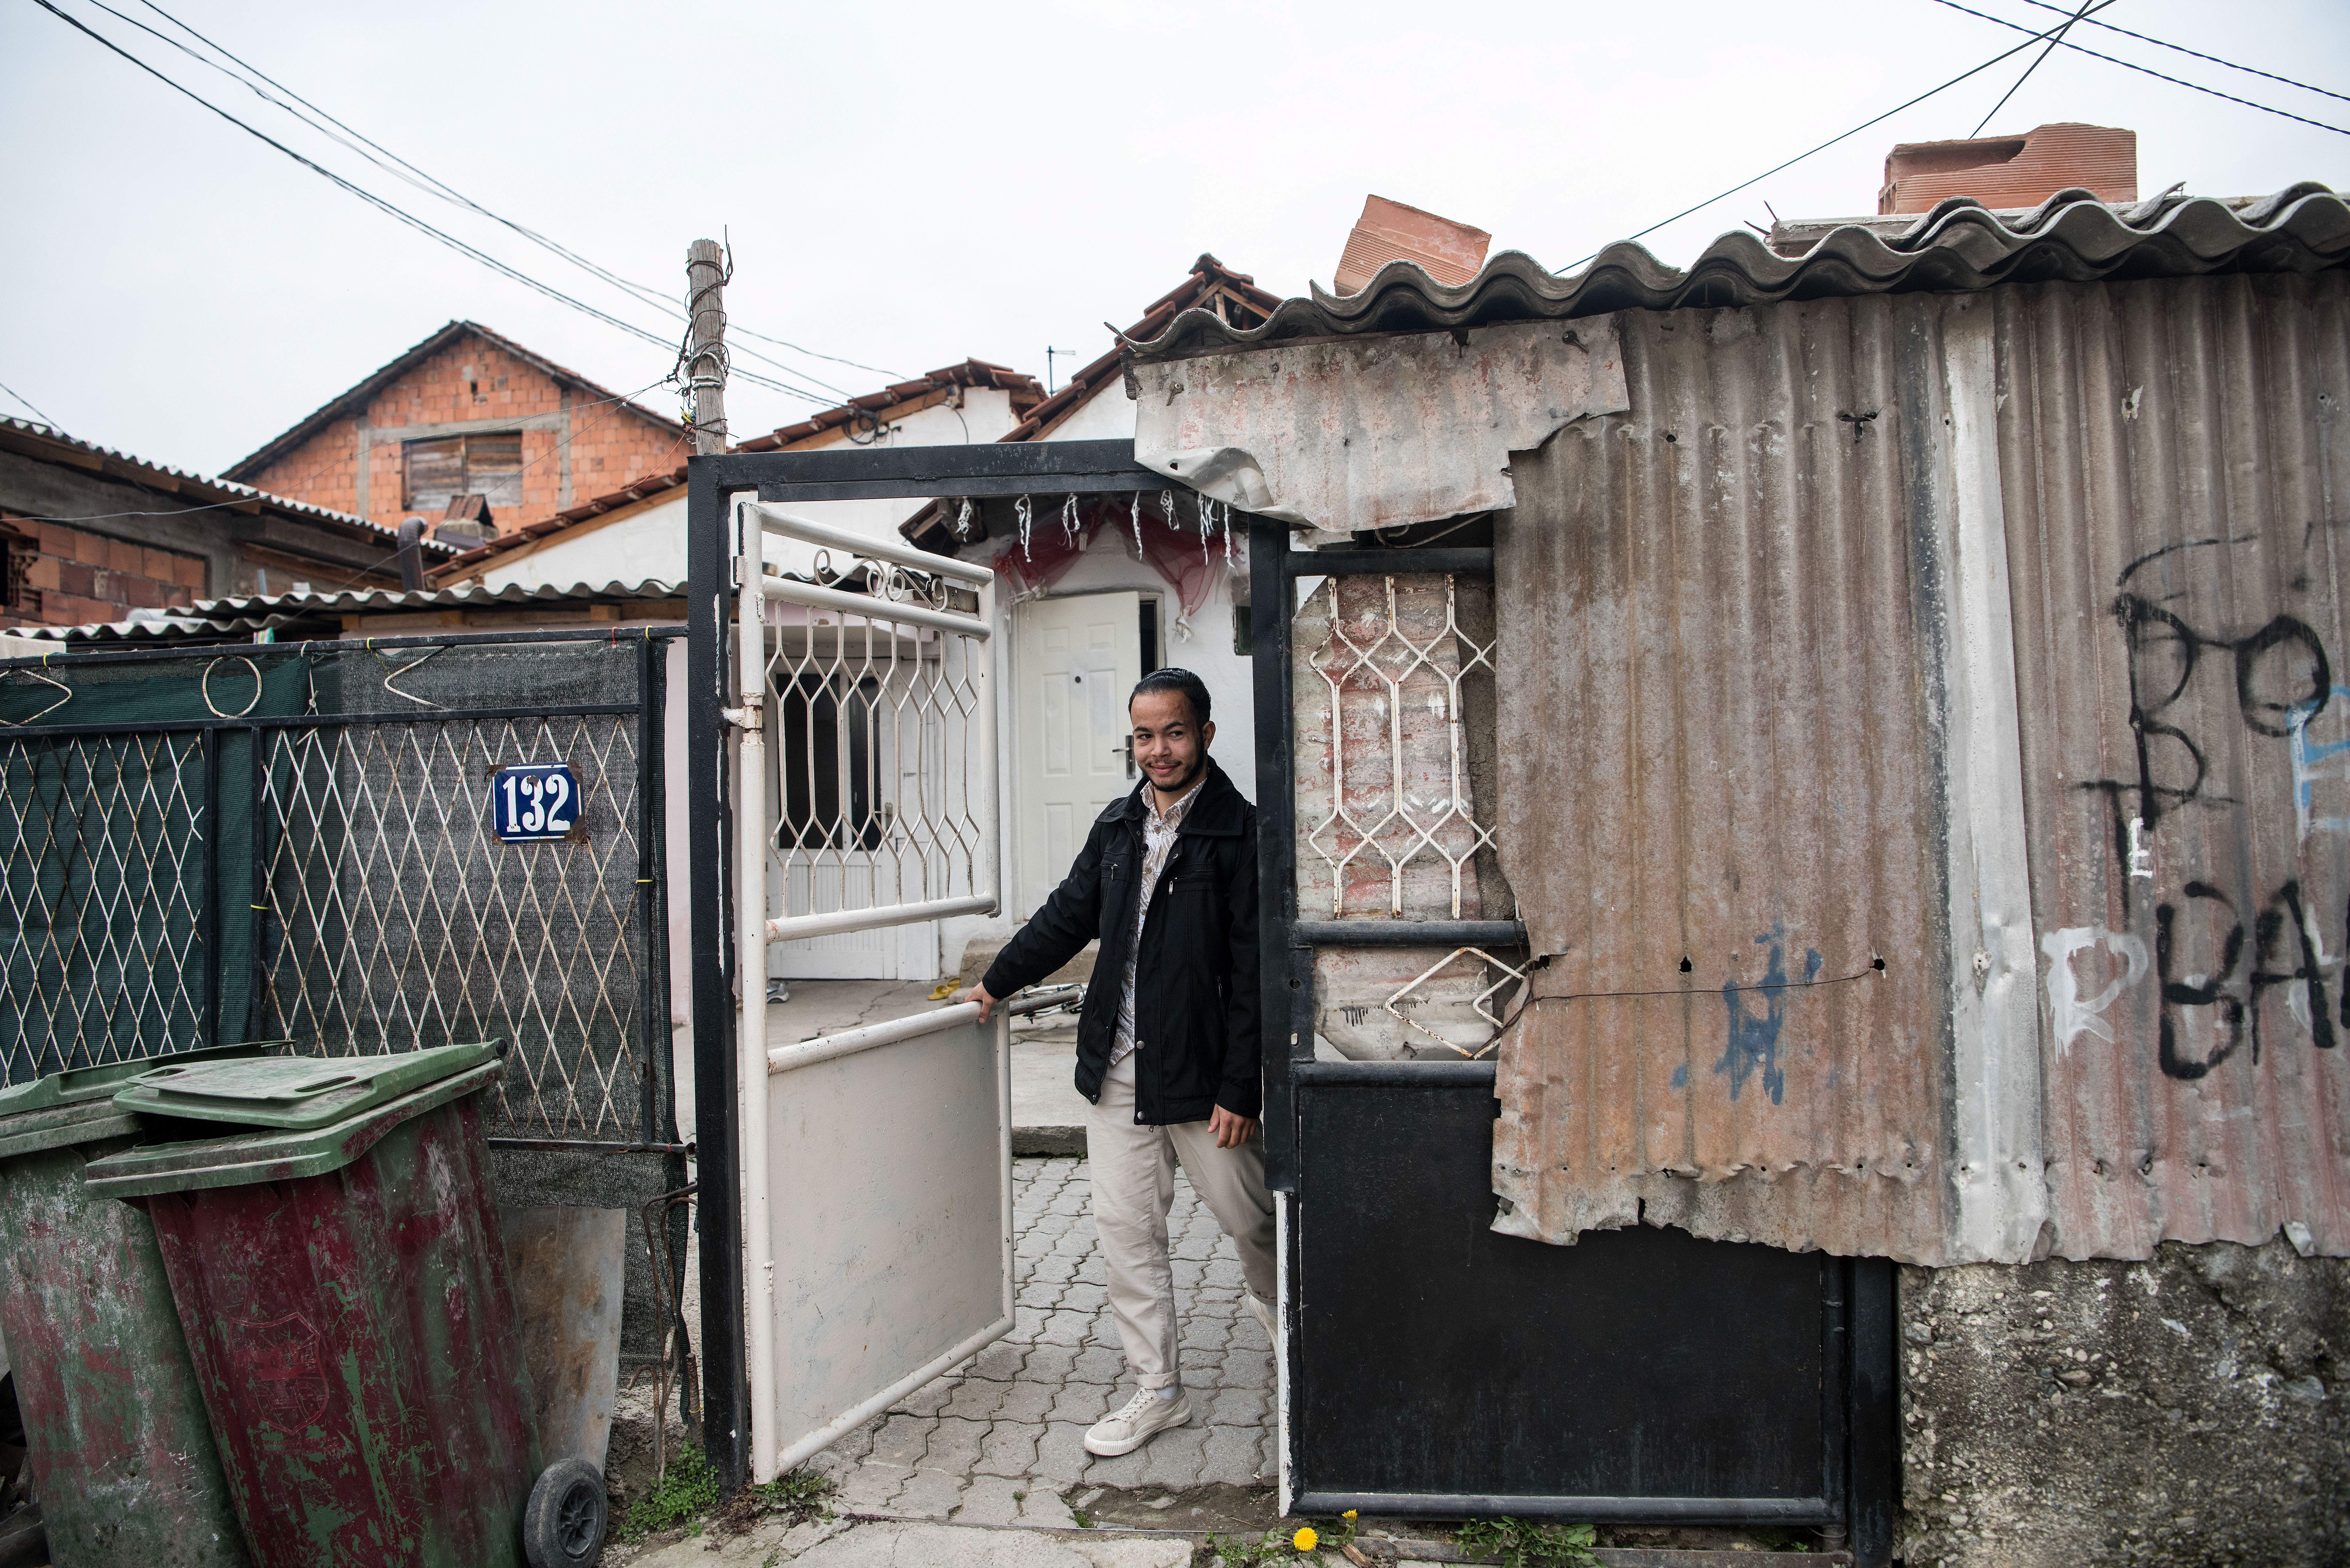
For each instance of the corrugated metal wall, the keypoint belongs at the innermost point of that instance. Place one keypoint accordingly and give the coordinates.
(1717, 723)
(1867, 634)
(2177, 529)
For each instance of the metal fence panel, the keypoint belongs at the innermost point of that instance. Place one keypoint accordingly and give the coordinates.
(104, 952)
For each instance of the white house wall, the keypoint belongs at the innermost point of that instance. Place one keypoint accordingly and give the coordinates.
(650, 545)
(1110, 567)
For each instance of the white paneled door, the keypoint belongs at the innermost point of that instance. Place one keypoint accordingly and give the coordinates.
(1075, 660)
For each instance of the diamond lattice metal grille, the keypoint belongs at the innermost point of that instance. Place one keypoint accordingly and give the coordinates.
(397, 920)
(1468, 1023)
(1397, 826)
(880, 791)
(102, 895)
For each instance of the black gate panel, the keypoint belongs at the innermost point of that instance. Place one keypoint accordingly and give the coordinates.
(1442, 1368)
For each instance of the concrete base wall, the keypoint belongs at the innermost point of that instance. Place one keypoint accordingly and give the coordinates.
(2187, 1410)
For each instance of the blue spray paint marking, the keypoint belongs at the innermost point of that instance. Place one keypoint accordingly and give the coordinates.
(1680, 1076)
(1754, 1039)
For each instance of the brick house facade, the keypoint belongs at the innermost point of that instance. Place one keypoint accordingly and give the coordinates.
(465, 413)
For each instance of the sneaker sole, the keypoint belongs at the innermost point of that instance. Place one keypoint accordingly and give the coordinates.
(1113, 1451)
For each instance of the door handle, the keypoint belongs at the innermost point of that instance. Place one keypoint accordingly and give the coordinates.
(1128, 750)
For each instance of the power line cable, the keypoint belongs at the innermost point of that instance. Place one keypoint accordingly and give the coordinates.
(28, 403)
(2199, 54)
(2150, 71)
(1831, 141)
(2032, 67)
(368, 148)
(410, 219)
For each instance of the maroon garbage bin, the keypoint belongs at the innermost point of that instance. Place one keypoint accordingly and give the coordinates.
(337, 1270)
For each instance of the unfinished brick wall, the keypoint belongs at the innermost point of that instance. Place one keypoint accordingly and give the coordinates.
(67, 577)
(471, 381)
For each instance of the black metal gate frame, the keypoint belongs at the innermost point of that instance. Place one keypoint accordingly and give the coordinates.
(653, 1023)
(1858, 1314)
(1052, 468)
(910, 473)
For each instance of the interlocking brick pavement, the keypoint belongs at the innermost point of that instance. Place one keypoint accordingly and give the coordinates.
(1001, 1440)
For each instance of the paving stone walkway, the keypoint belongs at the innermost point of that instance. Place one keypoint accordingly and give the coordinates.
(1001, 1440)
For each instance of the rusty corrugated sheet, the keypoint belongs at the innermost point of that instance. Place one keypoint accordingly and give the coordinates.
(1996, 637)
(2173, 475)
(1718, 702)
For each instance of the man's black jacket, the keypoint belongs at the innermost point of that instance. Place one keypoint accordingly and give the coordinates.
(1195, 998)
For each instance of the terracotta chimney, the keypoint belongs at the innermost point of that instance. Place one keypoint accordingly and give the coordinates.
(2008, 171)
(1389, 231)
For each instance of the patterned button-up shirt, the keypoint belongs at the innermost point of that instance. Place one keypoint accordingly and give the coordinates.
(1160, 829)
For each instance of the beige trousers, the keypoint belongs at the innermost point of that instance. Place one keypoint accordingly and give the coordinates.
(1133, 1172)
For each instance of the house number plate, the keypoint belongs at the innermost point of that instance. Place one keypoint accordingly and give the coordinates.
(538, 802)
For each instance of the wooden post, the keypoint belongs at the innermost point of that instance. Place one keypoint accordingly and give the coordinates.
(705, 354)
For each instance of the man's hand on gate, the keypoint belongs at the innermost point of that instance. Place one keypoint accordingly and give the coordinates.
(986, 1003)
(1232, 1131)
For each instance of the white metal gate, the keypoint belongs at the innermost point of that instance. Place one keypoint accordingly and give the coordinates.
(876, 1163)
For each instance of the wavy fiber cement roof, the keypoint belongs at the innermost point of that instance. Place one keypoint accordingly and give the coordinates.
(1960, 246)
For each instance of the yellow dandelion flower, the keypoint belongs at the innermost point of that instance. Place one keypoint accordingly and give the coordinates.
(1349, 1514)
(1304, 1539)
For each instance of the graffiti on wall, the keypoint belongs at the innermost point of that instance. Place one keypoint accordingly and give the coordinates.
(2223, 948)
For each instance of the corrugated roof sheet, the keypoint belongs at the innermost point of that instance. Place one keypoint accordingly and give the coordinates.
(211, 619)
(1960, 245)
(51, 445)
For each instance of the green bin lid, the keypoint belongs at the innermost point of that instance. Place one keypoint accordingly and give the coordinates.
(245, 1157)
(293, 1094)
(76, 1106)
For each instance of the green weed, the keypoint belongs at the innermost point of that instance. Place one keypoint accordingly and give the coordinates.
(1523, 1544)
(687, 1492)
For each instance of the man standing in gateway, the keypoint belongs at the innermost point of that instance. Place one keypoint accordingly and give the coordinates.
(1167, 1050)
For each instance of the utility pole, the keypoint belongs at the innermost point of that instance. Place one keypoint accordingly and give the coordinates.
(711, 557)
(705, 354)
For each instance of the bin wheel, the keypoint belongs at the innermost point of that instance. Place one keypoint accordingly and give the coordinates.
(563, 1524)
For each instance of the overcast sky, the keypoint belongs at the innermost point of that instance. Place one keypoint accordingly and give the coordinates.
(909, 184)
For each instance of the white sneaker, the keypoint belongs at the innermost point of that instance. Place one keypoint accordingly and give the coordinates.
(1141, 1418)
(1263, 1312)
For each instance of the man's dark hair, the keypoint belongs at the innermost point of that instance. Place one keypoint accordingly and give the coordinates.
(1194, 690)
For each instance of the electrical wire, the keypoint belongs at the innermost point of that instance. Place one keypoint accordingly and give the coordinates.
(2150, 71)
(28, 403)
(2198, 54)
(401, 168)
(2028, 69)
(410, 219)
(1831, 141)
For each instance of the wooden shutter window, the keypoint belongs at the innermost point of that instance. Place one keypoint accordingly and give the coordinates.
(442, 468)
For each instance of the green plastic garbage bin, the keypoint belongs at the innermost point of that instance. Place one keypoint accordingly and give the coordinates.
(120, 1455)
(337, 1269)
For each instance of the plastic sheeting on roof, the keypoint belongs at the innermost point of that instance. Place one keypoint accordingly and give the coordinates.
(1960, 245)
